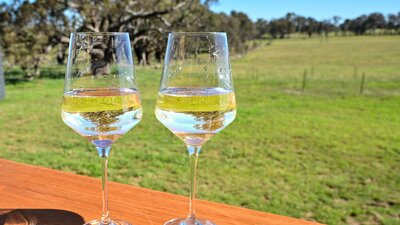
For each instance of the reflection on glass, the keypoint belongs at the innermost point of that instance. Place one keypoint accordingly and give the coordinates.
(196, 99)
(101, 98)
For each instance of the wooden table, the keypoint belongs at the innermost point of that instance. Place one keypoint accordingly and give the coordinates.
(39, 196)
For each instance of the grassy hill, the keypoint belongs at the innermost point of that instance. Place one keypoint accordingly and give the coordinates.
(307, 146)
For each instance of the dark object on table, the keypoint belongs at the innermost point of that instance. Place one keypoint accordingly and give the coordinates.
(39, 217)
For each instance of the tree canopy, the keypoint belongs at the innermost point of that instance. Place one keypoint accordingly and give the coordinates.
(30, 30)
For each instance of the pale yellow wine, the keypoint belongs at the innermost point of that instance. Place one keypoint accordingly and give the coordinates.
(102, 115)
(196, 114)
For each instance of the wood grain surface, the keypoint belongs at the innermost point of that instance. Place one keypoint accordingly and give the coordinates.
(40, 196)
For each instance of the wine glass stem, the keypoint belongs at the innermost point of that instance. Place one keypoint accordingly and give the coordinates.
(103, 153)
(194, 155)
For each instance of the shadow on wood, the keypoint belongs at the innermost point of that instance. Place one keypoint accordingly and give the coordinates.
(39, 217)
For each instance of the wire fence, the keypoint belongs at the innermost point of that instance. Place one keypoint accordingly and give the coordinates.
(312, 81)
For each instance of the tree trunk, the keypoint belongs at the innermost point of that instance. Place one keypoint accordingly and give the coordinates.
(143, 61)
(141, 54)
(148, 57)
(101, 57)
(2, 86)
(61, 55)
(159, 56)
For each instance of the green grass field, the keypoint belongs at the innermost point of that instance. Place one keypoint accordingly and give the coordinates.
(327, 154)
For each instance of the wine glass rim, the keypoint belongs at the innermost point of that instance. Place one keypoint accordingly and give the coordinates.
(101, 33)
(197, 33)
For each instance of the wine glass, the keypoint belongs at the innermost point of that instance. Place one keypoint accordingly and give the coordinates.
(101, 97)
(196, 99)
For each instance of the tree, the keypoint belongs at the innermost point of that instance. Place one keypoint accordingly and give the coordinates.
(276, 29)
(394, 21)
(327, 27)
(336, 21)
(357, 25)
(299, 23)
(289, 22)
(245, 28)
(237, 25)
(362, 24)
(145, 25)
(374, 21)
(261, 27)
(310, 26)
(29, 30)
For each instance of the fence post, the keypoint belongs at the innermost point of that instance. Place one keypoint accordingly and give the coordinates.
(303, 86)
(255, 75)
(355, 71)
(2, 85)
(362, 83)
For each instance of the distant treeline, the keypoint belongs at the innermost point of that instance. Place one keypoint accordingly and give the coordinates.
(33, 31)
(292, 23)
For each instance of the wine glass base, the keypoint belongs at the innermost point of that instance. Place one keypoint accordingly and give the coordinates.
(189, 221)
(113, 222)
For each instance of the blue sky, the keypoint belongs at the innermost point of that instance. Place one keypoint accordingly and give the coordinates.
(322, 9)
(319, 9)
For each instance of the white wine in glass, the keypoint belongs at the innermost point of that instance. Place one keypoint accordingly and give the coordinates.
(196, 99)
(101, 97)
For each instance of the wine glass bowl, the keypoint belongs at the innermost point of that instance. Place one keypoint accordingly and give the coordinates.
(196, 99)
(101, 115)
(101, 99)
(195, 114)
